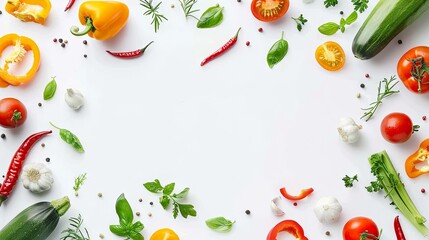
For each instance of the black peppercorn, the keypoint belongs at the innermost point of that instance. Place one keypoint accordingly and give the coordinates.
(247, 212)
(60, 40)
(399, 41)
(85, 56)
(85, 42)
(39, 104)
(3, 136)
(48, 159)
(151, 203)
(362, 85)
(63, 45)
(341, 12)
(327, 233)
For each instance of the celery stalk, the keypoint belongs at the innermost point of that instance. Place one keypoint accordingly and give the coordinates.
(388, 179)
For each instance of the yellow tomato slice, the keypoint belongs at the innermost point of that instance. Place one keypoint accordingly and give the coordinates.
(164, 234)
(330, 56)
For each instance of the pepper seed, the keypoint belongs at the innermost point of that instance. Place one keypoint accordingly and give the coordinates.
(100, 194)
(140, 200)
(101, 236)
(66, 41)
(3, 136)
(138, 214)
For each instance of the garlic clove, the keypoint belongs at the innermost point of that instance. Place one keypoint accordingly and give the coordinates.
(74, 98)
(274, 208)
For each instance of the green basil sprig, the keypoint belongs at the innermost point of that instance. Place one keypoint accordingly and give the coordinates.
(126, 227)
(277, 52)
(212, 17)
(70, 138)
(220, 224)
(331, 28)
(50, 89)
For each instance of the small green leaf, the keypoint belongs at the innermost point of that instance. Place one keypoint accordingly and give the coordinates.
(212, 17)
(50, 89)
(342, 29)
(342, 22)
(164, 201)
(168, 189)
(187, 210)
(118, 230)
(124, 211)
(153, 187)
(182, 194)
(329, 28)
(175, 209)
(352, 18)
(220, 224)
(135, 236)
(277, 52)
(137, 226)
(70, 138)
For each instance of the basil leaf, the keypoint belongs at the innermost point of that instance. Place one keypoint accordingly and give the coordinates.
(70, 138)
(187, 210)
(352, 18)
(329, 28)
(137, 227)
(135, 236)
(277, 52)
(212, 17)
(124, 211)
(182, 194)
(164, 201)
(220, 224)
(50, 89)
(342, 22)
(153, 187)
(168, 189)
(118, 230)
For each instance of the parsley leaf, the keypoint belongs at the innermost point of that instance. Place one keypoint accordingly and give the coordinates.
(348, 181)
(300, 21)
(330, 3)
(360, 5)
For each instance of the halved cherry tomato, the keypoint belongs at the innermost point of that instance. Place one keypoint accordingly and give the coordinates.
(304, 193)
(360, 228)
(164, 234)
(269, 10)
(397, 127)
(330, 56)
(413, 69)
(12, 113)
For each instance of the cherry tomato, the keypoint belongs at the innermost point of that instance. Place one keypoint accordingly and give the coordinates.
(164, 234)
(330, 56)
(397, 127)
(12, 113)
(269, 10)
(411, 68)
(356, 226)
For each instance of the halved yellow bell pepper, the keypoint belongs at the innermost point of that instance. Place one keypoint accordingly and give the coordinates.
(29, 10)
(21, 45)
(102, 19)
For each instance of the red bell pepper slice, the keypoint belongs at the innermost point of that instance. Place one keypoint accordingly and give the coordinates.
(289, 226)
(304, 193)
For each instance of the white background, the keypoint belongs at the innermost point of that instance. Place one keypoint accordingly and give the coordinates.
(234, 131)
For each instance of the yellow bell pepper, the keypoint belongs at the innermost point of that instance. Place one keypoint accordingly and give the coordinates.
(103, 19)
(29, 10)
(21, 46)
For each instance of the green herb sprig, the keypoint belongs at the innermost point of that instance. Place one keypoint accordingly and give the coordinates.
(78, 182)
(50, 89)
(360, 5)
(330, 3)
(381, 95)
(331, 28)
(168, 198)
(126, 227)
(348, 181)
(157, 18)
(300, 21)
(74, 232)
(70, 138)
(220, 224)
(212, 17)
(277, 52)
(187, 6)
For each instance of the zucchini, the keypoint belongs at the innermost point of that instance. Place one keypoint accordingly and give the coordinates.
(387, 19)
(36, 222)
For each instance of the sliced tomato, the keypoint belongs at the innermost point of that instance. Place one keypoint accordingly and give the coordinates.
(269, 10)
(330, 56)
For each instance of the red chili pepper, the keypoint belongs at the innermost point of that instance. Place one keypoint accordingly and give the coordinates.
(289, 226)
(17, 163)
(398, 229)
(130, 54)
(304, 193)
(223, 49)
(69, 5)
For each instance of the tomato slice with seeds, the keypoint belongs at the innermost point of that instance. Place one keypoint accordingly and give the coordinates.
(269, 10)
(330, 56)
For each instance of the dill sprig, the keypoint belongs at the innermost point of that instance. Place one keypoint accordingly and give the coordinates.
(187, 6)
(387, 91)
(157, 18)
(78, 182)
(74, 231)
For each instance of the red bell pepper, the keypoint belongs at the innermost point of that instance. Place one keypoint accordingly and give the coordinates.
(304, 193)
(289, 226)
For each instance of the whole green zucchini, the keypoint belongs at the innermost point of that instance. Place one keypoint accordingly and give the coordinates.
(387, 19)
(36, 222)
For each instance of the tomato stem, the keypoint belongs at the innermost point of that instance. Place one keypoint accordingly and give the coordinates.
(418, 70)
(416, 128)
(17, 115)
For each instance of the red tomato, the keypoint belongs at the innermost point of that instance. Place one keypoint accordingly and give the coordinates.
(12, 113)
(269, 10)
(360, 225)
(397, 127)
(413, 62)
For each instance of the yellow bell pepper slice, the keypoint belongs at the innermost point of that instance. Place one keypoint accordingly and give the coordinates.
(29, 10)
(21, 45)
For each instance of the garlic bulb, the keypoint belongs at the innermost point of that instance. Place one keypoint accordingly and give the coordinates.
(274, 208)
(348, 130)
(328, 209)
(37, 177)
(74, 98)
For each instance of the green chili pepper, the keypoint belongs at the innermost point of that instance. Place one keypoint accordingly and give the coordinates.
(70, 138)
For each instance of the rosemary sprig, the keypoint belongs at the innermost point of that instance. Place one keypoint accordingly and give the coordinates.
(78, 182)
(157, 18)
(387, 91)
(74, 232)
(187, 6)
